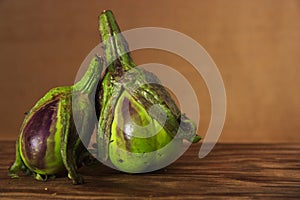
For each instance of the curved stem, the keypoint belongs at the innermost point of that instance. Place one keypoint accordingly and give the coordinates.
(90, 79)
(116, 47)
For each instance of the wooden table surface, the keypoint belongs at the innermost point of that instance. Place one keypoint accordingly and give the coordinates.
(242, 171)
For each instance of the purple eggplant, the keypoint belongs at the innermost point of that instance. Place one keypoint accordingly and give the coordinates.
(48, 142)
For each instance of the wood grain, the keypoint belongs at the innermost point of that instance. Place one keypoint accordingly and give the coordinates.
(235, 171)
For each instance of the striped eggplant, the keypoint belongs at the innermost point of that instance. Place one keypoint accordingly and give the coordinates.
(131, 134)
(48, 142)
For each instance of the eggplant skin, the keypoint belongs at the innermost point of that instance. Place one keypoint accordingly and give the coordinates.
(132, 153)
(40, 140)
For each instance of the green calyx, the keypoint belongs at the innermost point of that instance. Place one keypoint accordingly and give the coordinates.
(123, 81)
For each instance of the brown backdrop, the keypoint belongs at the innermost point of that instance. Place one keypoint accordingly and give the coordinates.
(255, 44)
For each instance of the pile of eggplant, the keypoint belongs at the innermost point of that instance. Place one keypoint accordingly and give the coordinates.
(49, 144)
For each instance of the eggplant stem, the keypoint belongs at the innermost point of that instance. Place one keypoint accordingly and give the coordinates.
(115, 45)
(89, 80)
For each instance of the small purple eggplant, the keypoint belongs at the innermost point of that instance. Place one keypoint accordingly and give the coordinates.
(48, 142)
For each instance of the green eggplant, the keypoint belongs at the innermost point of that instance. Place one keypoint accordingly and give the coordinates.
(131, 134)
(48, 143)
